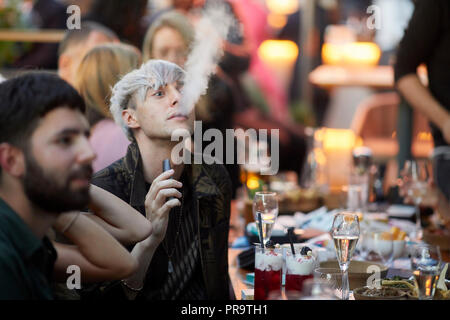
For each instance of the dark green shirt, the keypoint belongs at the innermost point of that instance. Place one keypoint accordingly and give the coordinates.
(26, 262)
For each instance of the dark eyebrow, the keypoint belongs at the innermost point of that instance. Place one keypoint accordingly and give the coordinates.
(73, 131)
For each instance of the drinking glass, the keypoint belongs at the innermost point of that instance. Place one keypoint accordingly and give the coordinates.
(333, 278)
(426, 264)
(382, 243)
(364, 245)
(298, 269)
(318, 289)
(265, 204)
(415, 180)
(268, 269)
(345, 233)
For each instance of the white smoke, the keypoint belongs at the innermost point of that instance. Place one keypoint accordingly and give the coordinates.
(207, 50)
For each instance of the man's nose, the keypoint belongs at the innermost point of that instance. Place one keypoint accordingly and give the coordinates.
(175, 95)
(85, 152)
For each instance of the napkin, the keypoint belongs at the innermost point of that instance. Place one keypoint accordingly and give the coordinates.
(441, 282)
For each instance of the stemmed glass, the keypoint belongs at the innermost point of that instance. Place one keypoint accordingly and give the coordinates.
(382, 243)
(415, 179)
(426, 264)
(345, 233)
(266, 205)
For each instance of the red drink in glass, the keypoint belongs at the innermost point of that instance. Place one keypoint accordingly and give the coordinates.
(268, 267)
(298, 269)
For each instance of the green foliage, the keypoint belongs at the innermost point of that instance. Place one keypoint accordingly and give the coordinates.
(302, 113)
(10, 17)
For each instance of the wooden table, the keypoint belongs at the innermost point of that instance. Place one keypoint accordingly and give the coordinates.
(32, 35)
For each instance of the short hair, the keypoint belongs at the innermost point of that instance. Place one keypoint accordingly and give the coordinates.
(77, 36)
(133, 87)
(171, 19)
(25, 99)
(99, 71)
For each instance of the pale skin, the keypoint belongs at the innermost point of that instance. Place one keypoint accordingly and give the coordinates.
(121, 220)
(169, 45)
(421, 99)
(60, 144)
(152, 123)
(69, 60)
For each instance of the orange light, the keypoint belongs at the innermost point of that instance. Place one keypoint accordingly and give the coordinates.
(276, 21)
(338, 145)
(275, 52)
(252, 183)
(282, 6)
(424, 136)
(354, 53)
(339, 139)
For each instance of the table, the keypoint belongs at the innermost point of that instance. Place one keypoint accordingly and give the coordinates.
(32, 35)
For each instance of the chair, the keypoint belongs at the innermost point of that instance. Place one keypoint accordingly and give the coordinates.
(375, 121)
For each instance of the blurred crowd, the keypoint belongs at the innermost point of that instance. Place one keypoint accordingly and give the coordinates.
(121, 50)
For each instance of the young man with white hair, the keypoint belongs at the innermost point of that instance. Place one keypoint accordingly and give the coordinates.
(186, 257)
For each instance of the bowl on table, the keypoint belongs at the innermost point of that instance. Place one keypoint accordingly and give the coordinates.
(399, 248)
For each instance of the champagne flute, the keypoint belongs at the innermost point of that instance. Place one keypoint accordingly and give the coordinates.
(426, 263)
(345, 233)
(266, 205)
(416, 174)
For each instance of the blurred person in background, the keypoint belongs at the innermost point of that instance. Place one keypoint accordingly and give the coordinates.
(45, 14)
(76, 43)
(313, 46)
(98, 72)
(125, 18)
(427, 41)
(45, 171)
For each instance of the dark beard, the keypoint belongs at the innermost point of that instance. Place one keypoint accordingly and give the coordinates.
(45, 192)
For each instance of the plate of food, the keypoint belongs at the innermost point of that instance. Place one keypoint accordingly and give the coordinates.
(383, 293)
(409, 288)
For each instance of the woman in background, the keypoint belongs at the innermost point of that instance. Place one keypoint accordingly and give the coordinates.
(99, 70)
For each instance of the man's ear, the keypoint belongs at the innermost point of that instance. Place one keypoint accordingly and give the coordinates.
(130, 119)
(12, 160)
(64, 63)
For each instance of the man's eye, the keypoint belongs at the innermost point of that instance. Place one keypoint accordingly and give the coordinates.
(180, 86)
(159, 93)
(65, 140)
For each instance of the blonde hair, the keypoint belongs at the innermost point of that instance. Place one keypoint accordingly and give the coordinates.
(101, 68)
(174, 20)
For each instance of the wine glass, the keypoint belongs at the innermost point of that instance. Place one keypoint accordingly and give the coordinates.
(265, 204)
(415, 176)
(345, 233)
(426, 264)
(382, 243)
